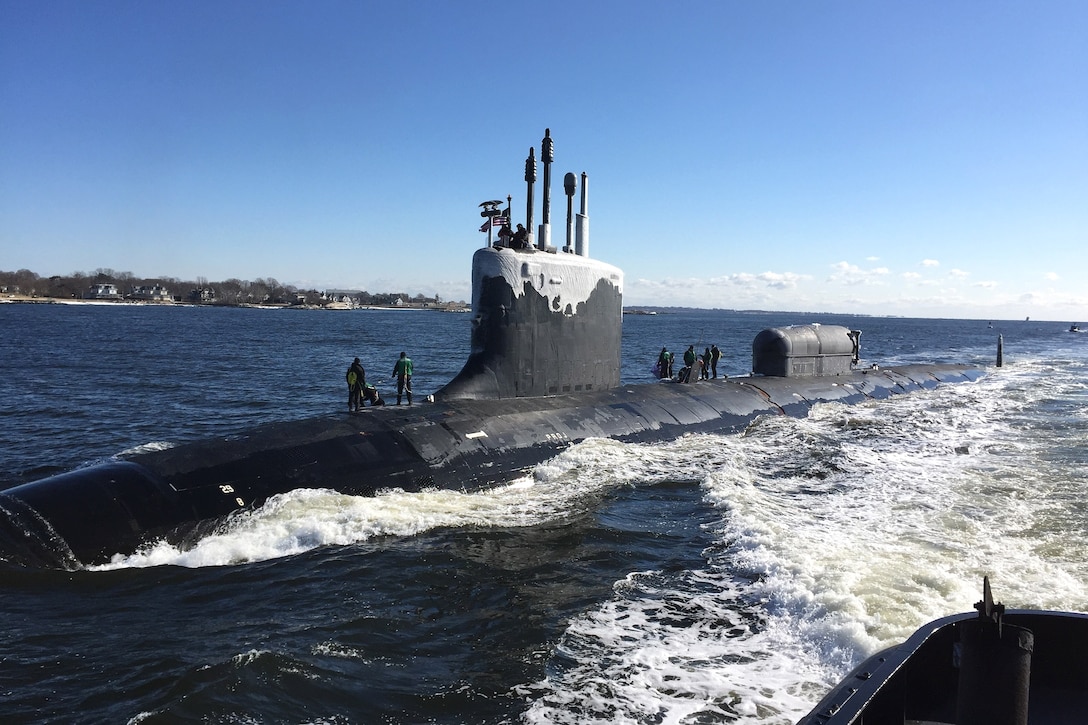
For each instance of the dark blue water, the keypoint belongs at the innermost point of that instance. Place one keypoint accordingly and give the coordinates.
(711, 579)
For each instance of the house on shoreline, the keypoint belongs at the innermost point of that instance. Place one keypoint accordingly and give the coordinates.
(151, 293)
(103, 291)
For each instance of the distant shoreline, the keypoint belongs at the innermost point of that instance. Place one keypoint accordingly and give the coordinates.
(640, 310)
(338, 306)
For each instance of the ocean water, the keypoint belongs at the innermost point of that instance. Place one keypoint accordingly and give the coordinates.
(711, 579)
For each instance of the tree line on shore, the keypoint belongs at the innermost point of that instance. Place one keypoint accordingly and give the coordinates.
(81, 285)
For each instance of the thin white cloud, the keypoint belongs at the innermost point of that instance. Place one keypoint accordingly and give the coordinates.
(1052, 276)
(958, 273)
(780, 280)
(851, 274)
(741, 279)
(774, 280)
(930, 263)
(989, 284)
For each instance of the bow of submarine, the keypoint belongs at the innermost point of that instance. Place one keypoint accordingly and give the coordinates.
(115, 507)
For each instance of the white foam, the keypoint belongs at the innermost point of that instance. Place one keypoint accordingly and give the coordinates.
(146, 448)
(839, 535)
(305, 519)
(671, 649)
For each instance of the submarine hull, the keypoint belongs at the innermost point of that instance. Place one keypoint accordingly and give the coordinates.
(86, 516)
(542, 374)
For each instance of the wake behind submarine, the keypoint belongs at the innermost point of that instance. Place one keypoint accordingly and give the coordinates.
(542, 374)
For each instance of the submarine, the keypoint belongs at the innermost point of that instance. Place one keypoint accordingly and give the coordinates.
(543, 373)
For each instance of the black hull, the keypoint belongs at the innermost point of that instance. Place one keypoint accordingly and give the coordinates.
(919, 680)
(85, 516)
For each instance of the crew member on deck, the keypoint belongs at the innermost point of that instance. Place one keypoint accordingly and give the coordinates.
(356, 377)
(402, 371)
(521, 238)
(689, 363)
(371, 393)
(715, 356)
(664, 364)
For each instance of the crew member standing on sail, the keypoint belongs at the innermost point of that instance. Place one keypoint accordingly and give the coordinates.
(521, 238)
(402, 371)
(356, 382)
(715, 356)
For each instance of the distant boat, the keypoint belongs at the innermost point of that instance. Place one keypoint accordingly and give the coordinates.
(1075, 328)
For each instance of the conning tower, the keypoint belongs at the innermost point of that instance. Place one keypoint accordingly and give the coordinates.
(545, 322)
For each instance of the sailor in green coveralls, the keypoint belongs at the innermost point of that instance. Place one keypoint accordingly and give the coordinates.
(402, 371)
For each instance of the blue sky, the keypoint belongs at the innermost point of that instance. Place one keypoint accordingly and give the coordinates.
(927, 159)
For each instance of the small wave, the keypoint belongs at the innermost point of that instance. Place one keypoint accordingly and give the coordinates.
(673, 648)
(305, 519)
(146, 448)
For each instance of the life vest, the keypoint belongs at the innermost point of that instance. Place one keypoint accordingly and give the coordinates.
(352, 378)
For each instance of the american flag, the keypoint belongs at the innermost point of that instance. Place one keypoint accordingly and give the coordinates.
(486, 226)
(498, 221)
